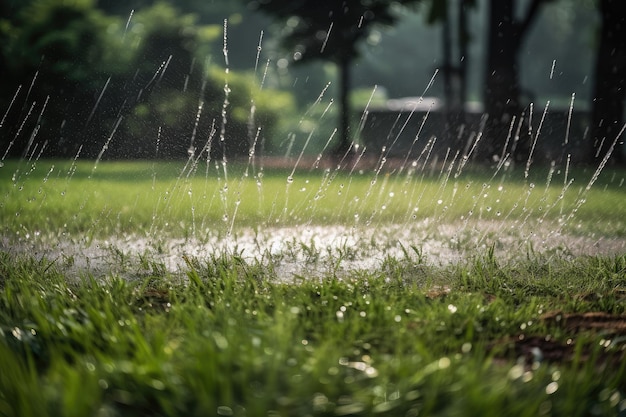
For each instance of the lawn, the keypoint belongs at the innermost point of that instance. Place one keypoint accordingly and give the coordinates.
(229, 338)
(52, 197)
(221, 332)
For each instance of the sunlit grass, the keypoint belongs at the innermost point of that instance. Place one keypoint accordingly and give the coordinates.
(56, 197)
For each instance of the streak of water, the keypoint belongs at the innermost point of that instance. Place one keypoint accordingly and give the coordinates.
(508, 137)
(413, 109)
(151, 82)
(32, 85)
(415, 139)
(17, 92)
(465, 158)
(330, 28)
(534, 143)
(35, 129)
(225, 43)
(105, 147)
(19, 131)
(363, 118)
(130, 16)
(93, 110)
(583, 197)
(319, 156)
(569, 119)
(156, 156)
(258, 52)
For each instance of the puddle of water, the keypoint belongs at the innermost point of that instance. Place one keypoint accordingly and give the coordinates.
(316, 251)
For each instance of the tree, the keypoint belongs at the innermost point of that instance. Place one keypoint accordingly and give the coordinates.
(502, 91)
(609, 92)
(330, 30)
(55, 56)
(75, 78)
(454, 76)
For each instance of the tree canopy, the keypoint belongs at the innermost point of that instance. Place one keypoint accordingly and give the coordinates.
(75, 76)
(330, 30)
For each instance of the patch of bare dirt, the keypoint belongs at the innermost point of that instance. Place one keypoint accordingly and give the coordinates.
(610, 348)
(608, 324)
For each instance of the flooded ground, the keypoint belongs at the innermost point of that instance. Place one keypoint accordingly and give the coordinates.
(314, 251)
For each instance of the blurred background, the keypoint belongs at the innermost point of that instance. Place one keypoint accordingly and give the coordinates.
(169, 79)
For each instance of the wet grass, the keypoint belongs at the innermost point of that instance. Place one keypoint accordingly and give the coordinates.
(226, 336)
(61, 198)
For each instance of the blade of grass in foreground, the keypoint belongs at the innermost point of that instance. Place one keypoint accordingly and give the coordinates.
(477, 338)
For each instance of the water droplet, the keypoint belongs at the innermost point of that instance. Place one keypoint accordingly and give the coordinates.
(289, 179)
(552, 387)
(439, 201)
(391, 194)
(444, 363)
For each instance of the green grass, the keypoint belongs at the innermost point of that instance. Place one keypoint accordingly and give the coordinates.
(228, 338)
(540, 333)
(59, 198)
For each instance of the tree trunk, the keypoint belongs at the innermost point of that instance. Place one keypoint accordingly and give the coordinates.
(502, 90)
(463, 37)
(607, 114)
(344, 106)
(502, 87)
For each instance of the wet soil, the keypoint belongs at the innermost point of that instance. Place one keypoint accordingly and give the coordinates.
(608, 330)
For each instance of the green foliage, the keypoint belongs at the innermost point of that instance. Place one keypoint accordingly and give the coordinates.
(327, 30)
(129, 81)
(63, 38)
